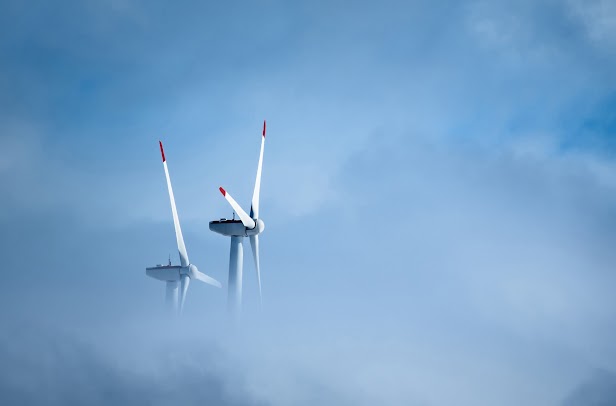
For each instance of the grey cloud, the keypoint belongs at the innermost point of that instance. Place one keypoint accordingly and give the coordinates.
(51, 368)
(430, 236)
(598, 390)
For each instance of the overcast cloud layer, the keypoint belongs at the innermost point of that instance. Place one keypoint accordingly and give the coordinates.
(439, 189)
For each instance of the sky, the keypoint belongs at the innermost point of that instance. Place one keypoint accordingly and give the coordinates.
(439, 194)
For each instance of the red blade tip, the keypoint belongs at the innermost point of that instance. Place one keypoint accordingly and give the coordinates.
(263, 128)
(224, 193)
(162, 151)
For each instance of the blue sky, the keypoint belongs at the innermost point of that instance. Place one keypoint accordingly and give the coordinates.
(439, 188)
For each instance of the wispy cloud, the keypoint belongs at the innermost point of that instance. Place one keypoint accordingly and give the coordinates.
(439, 190)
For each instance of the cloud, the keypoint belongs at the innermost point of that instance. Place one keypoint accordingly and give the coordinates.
(598, 17)
(438, 189)
(598, 390)
(52, 368)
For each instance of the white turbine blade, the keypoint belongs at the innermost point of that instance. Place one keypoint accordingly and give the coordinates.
(200, 276)
(254, 244)
(184, 288)
(176, 221)
(246, 220)
(254, 208)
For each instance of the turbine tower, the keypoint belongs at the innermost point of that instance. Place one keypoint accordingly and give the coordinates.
(175, 275)
(247, 226)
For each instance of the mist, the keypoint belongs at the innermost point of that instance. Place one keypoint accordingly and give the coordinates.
(438, 189)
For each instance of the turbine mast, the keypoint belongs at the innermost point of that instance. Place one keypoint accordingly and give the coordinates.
(236, 262)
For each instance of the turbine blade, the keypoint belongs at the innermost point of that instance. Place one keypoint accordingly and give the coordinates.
(254, 244)
(200, 276)
(246, 220)
(254, 208)
(176, 221)
(185, 282)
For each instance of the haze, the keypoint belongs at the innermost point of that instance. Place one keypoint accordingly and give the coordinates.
(439, 185)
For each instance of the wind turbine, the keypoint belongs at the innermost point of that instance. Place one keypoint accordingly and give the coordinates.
(175, 275)
(247, 226)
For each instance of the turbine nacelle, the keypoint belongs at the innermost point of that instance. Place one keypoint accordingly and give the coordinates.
(167, 273)
(171, 273)
(235, 228)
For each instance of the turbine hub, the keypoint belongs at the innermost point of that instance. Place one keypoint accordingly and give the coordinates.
(185, 270)
(192, 269)
(260, 226)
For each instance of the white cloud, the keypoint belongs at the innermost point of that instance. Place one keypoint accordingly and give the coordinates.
(599, 20)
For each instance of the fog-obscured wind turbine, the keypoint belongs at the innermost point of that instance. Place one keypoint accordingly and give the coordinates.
(249, 225)
(175, 275)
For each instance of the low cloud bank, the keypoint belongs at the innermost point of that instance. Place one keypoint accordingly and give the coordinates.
(42, 366)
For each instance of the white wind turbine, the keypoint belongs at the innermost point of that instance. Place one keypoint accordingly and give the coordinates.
(247, 226)
(177, 274)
